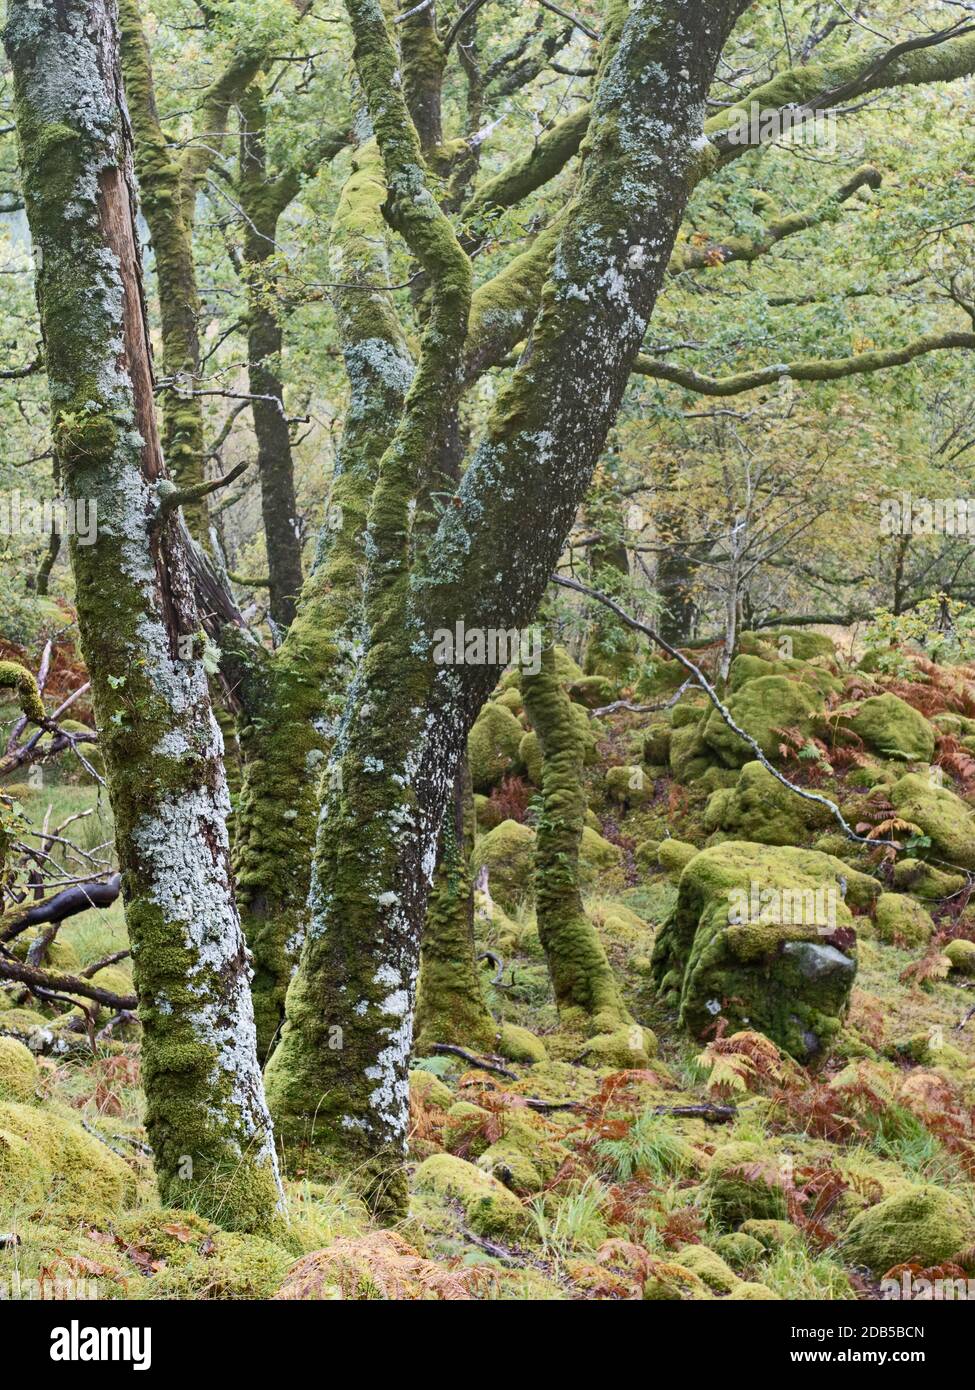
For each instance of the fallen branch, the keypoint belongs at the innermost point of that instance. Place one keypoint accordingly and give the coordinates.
(478, 1062)
(47, 981)
(65, 904)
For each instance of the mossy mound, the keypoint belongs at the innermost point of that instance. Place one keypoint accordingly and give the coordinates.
(743, 1182)
(771, 1234)
(759, 808)
(739, 1250)
(597, 856)
(656, 744)
(801, 643)
(674, 856)
(925, 881)
(490, 1208)
(745, 1292)
(628, 786)
(47, 1157)
(18, 1071)
(761, 707)
(592, 691)
(690, 755)
(894, 729)
(507, 852)
(746, 668)
(926, 1225)
(709, 1266)
(940, 814)
(962, 956)
(901, 921)
(762, 936)
(520, 1044)
(198, 1260)
(492, 746)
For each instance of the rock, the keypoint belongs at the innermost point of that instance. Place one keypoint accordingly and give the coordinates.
(628, 786)
(761, 936)
(520, 1044)
(429, 1089)
(961, 953)
(597, 855)
(761, 707)
(759, 808)
(743, 1182)
(656, 744)
(900, 921)
(18, 1071)
(43, 1153)
(894, 729)
(800, 643)
(741, 1251)
(674, 856)
(940, 814)
(708, 1265)
(745, 668)
(508, 852)
(690, 756)
(492, 746)
(623, 1049)
(771, 1234)
(925, 881)
(592, 692)
(490, 1208)
(927, 1225)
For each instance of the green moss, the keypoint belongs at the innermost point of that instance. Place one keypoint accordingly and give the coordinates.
(45, 1155)
(771, 1234)
(592, 692)
(690, 755)
(761, 809)
(493, 746)
(672, 1283)
(961, 953)
(490, 1208)
(628, 786)
(894, 729)
(656, 744)
(926, 1225)
(940, 814)
(708, 1265)
(18, 1071)
(901, 921)
(745, 1292)
(739, 1250)
(15, 677)
(803, 644)
(520, 1044)
(507, 852)
(925, 881)
(761, 707)
(743, 1182)
(674, 856)
(428, 1089)
(750, 939)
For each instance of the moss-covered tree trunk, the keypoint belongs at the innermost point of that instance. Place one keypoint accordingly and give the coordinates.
(586, 990)
(338, 1080)
(262, 206)
(450, 1006)
(296, 697)
(140, 630)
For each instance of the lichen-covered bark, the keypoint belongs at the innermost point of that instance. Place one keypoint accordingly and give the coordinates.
(205, 1110)
(405, 720)
(296, 697)
(450, 1006)
(586, 991)
(161, 189)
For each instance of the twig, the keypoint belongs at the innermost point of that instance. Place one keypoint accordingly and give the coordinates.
(474, 1061)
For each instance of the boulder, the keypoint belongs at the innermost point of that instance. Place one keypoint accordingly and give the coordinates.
(759, 808)
(925, 1225)
(492, 746)
(761, 707)
(901, 921)
(894, 729)
(940, 814)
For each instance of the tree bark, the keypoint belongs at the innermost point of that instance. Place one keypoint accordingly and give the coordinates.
(140, 631)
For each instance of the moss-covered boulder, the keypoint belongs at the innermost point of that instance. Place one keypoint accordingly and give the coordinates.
(901, 921)
(628, 786)
(770, 1233)
(801, 643)
(597, 855)
(894, 729)
(761, 809)
(47, 1156)
(940, 814)
(744, 1181)
(656, 744)
(762, 707)
(592, 691)
(924, 881)
(690, 756)
(674, 856)
(708, 1265)
(492, 746)
(961, 954)
(490, 1208)
(763, 936)
(18, 1071)
(530, 757)
(926, 1225)
(746, 668)
(739, 1250)
(520, 1044)
(507, 852)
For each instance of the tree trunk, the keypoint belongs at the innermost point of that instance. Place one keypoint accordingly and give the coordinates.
(206, 1115)
(450, 1006)
(279, 511)
(586, 990)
